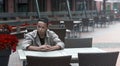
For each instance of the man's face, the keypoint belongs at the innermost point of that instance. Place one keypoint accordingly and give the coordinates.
(42, 27)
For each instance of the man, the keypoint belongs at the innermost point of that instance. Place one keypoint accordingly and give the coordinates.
(42, 39)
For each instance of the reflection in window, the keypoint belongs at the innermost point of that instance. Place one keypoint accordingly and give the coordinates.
(60, 5)
(85, 5)
(1, 6)
(22, 5)
(79, 6)
(42, 5)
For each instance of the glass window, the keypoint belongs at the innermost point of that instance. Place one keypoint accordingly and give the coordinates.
(42, 5)
(60, 5)
(84, 5)
(22, 1)
(54, 5)
(80, 5)
(22, 6)
(1, 6)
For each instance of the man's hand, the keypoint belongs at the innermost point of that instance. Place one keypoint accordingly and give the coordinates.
(57, 47)
(39, 48)
(49, 48)
(44, 48)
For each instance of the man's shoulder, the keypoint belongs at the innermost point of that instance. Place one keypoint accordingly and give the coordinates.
(32, 33)
(50, 31)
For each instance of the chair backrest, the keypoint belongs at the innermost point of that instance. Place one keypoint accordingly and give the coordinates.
(78, 42)
(85, 21)
(69, 24)
(48, 61)
(98, 59)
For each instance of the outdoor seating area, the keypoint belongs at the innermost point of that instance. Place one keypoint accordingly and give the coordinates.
(70, 57)
(60, 32)
(75, 42)
(69, 31)
(73, 27)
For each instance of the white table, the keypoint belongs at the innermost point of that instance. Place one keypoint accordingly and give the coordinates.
(67, 51)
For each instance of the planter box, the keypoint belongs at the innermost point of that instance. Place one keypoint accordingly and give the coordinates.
(4, 57)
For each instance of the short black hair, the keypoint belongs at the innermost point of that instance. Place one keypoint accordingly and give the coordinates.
(45, 20)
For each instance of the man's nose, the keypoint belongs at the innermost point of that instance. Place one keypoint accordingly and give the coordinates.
(40, 28)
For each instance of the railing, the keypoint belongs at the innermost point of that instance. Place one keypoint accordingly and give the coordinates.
(62, 15)
(6, 14)
(16, 23)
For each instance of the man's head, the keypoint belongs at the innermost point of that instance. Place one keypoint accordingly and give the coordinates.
(42, 25)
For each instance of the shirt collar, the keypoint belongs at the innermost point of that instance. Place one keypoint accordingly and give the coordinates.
(47, 33)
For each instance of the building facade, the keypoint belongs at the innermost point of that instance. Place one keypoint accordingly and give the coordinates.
(44, 5)
(78, 7)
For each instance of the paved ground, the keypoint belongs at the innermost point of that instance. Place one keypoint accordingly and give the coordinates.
(110, 34)
(105, 38)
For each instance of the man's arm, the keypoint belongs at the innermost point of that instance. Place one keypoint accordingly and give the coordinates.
(33, 48)
(59, 44)
(56, 47)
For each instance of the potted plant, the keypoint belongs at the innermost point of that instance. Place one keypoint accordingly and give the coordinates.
(8, 44)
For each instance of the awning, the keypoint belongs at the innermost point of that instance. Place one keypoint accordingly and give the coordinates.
(98, 0)
(109, 0)
(113, 1)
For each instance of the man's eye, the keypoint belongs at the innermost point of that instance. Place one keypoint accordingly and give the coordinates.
(39, 27)
(42, 27)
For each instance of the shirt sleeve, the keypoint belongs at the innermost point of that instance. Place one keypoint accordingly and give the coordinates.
(27, 41)
(57, 40)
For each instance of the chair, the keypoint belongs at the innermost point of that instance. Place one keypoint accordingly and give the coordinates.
(86, 23)
(69, 25)
(98, 59)
(77, 26)
(49, 61)
(103, 21)
(96, 20)
(78, 42)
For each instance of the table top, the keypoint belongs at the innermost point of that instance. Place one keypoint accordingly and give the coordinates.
(67, 51)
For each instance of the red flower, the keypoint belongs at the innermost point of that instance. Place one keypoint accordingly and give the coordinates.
(8, 41)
